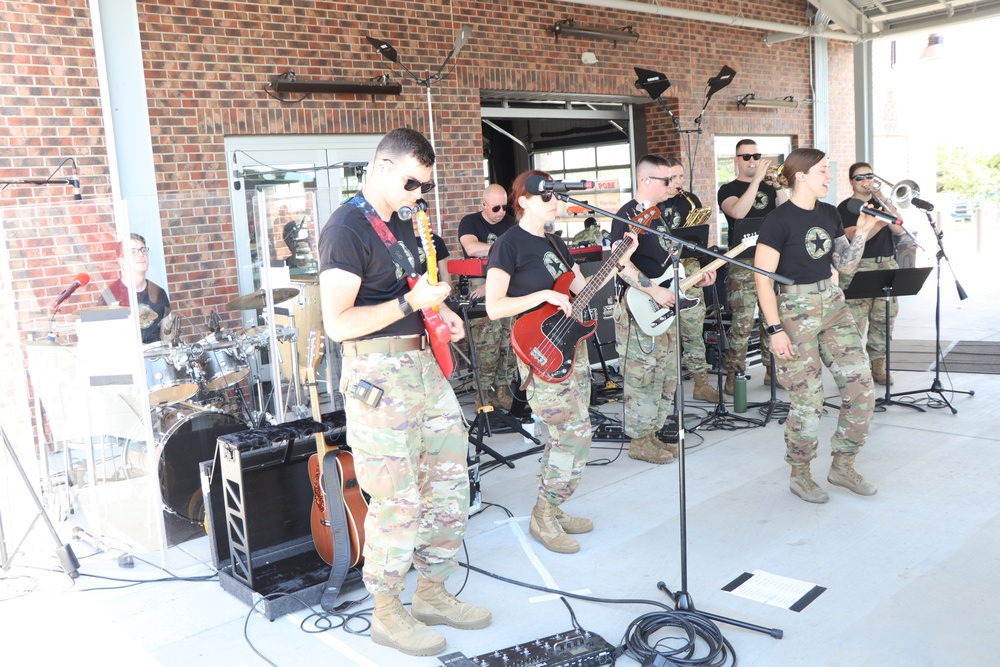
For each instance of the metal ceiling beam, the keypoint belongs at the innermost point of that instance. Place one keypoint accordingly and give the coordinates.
(971, 14)
(843, 13)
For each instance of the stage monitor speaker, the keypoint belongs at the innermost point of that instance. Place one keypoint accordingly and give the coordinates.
(602, 307)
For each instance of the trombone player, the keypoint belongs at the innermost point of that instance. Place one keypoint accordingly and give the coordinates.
(880, 251)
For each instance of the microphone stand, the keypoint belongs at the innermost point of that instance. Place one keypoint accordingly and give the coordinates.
(682, 598)
(936, 386)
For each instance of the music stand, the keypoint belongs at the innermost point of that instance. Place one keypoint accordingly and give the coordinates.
(887, 283)
(697, 234)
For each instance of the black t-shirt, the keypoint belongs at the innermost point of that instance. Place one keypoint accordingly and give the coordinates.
(765, 202)
(676, 209)
(531, 261)
(880, 245)
(804, 239)
(476, 224)
(349, 242)
(653, 251)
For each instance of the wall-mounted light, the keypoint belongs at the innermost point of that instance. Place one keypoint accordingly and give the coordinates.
(934, 49)
(750, 100)
(568, 28)
(287, 82)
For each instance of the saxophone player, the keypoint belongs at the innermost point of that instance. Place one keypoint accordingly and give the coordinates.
(684, 209)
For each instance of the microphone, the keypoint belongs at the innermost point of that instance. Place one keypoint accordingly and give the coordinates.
(537, 185)
(922, 204)
(78, 282)
(75, 181)
(857, 207)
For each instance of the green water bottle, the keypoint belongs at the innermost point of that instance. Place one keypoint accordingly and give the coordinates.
(740, 392)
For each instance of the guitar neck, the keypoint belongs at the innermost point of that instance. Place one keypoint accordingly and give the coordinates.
(693, 279)
(596, 281)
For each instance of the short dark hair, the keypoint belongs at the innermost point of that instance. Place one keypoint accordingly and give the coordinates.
(120, 246)
(653, 161)
(405, 141)
(744, 142)
(856, 166)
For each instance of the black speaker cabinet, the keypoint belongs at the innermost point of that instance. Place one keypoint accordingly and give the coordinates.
(258, 503)
(602, 308)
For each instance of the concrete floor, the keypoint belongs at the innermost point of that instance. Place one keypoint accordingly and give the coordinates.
(911, 574)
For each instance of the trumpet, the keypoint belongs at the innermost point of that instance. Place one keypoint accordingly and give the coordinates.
(900, 193)
(697, 216)
(771, 177)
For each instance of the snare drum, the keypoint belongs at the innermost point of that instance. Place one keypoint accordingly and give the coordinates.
(184, 438)
(168, 375)
(223, 362)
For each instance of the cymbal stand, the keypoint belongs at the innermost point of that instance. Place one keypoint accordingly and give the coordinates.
(64, 552)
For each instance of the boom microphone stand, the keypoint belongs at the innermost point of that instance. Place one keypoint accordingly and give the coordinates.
(936, 386)
(682, 598)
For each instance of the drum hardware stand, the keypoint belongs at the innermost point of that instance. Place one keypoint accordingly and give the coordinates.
(936, 386)
(480, 426)
(64, 552)
(612, 389)
(773, 405)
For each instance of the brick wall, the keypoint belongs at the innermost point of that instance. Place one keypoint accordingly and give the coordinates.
(207, 61)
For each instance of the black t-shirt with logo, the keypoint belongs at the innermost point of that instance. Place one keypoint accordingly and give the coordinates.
(349, 242)
(476, 224)
(804, 239)
(880, 245)
(530, 261)
(653, 252)
(765, 202)
(677, 209)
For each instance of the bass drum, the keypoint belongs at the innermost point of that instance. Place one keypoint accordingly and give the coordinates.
(184, 438)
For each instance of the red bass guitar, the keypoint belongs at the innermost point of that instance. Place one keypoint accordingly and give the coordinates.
(546, 339)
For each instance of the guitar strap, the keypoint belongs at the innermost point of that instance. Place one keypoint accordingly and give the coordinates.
(334, 493)
(552, 240)
(395, 248)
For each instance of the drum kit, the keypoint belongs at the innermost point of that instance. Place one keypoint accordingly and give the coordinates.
(196, 395)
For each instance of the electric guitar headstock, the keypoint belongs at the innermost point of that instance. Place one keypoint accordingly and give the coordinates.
(644, 217)
(424, 225)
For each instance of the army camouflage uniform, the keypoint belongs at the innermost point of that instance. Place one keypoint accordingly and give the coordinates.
(649, 366)
(742, 293)
(823, 333)
(410, 454)
(693, 325)
(564, 407)
(870, 313)
(492, 338)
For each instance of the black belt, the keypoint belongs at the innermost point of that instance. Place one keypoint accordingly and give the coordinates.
(386, 345)
(820, 286)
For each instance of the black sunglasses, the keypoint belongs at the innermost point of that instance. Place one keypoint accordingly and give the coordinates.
(749, 156)
(547, 196)
(412, 184)
(665, 179)
(862, 177)
(495, 209)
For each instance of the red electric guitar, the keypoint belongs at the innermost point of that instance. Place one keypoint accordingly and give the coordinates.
(546, 339)
(437, 330)
(349, 492)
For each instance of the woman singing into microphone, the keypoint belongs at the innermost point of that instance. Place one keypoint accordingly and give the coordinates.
(810, 325)
(522, 270)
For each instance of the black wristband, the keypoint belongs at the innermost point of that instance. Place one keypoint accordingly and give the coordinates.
(771, 330)
(405, 306)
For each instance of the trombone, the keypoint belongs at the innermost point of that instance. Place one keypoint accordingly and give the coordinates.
(899, 193)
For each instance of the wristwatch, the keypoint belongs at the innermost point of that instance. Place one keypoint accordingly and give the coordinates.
(773, 329)
(405, 306)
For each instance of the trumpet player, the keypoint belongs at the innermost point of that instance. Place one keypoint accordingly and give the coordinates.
(684, 209)
(747, 197)
(880, 251)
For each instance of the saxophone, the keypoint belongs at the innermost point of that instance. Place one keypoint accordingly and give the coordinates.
(697, 216)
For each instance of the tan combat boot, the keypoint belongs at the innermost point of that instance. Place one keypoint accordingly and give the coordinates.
(502, 398)
(880, 373)
(434, 605)
(545, 528)
(649, 449)
(573, 525)
(730, 379)
(703, 391)
(393, 626)
(842, 473)
(804, 487)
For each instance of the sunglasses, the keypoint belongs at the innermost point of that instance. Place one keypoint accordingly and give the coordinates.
(749, 156)
(665, 179)
(495, 209)
(862, 177)
(547, 196)
(412, 184)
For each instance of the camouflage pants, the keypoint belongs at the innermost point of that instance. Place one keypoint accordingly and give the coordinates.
(493, 350)
(870, 313)
(649, 366)
(824, 334)
(742, 293)
(564, 407)
(410, 454)
(693, 325)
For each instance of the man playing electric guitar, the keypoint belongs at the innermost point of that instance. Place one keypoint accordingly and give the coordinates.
(403, 420)
(649, 364)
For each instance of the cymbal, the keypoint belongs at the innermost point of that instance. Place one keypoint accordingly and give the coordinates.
(257, 300)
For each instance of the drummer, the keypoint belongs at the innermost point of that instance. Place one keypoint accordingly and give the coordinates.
(154, 305)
